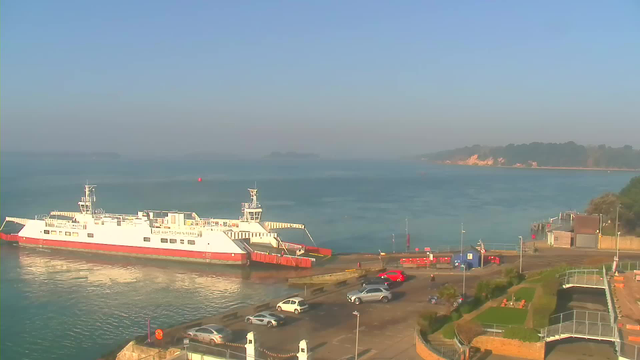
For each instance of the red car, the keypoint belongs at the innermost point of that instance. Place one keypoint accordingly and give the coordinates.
(394, 275)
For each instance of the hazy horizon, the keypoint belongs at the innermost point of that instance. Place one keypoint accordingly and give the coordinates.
(342, 80)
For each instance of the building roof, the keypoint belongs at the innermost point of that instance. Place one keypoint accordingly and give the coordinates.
(586, 224)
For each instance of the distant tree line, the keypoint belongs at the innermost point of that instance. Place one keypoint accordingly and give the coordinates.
(567, 154)
(629, 213)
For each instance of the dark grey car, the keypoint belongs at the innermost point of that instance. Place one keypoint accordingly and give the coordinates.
(369, 293)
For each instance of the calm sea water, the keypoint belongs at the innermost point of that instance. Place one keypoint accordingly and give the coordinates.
(66, 305)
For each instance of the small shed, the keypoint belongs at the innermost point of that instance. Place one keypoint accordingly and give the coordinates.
(561, 239)
(471, 258)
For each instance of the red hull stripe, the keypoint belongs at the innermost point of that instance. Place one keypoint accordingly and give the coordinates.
(121, 249)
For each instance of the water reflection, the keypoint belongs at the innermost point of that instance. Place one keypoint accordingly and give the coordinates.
(92, 302)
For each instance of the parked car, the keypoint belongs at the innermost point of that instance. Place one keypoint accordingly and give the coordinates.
(369, 294)
(377, 281)
(268, 318)
(212, 333)
(294, 304)
(394, 275)
(433, 299)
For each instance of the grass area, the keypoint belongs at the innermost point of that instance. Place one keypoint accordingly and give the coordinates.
(546, 275)
(503, 316)
(525, 293)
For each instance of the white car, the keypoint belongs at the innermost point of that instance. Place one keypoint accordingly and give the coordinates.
(295, 305)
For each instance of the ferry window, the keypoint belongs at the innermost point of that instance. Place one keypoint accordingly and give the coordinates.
(67, 233)
(146, 239)
(164, 241)
(181, 241)
(46, 231)
(90, 235)
(192, 242)
(53, 232)
(75, 234)
(173, 241)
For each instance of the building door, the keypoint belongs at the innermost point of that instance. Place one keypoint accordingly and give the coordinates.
(587, 241)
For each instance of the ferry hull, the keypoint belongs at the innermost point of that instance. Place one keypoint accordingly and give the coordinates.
(171, 254)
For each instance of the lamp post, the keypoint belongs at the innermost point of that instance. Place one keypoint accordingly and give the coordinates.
(461, 239)
(357, 314)
(520, 254)
(617, 233)
(393, 240)
(464, 279)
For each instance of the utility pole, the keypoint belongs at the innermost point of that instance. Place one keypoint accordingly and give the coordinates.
(408, 238)
(520, 254)
(464, 280)
(481, 254)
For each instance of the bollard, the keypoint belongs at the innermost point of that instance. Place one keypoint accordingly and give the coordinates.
(251, 346)
(303, 350)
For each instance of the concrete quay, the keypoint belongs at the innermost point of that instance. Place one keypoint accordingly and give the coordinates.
(386, 330)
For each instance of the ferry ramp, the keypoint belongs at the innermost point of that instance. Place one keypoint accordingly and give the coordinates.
(581, 324)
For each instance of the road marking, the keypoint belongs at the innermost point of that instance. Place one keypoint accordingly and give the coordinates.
(335, 341)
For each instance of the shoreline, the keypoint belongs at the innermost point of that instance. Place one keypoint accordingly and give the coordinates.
(540, 167)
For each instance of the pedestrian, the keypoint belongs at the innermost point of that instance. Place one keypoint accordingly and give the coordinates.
(358, 264)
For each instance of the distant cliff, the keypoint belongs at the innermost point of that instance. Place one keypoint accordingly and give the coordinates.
(291, 155)
(541, 155)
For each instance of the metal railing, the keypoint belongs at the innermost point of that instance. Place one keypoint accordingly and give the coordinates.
(629, 265)
(582, 277)
(445, 352)
(629, 351)
(579, 323)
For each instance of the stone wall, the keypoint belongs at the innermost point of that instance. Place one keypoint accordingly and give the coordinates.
(134, 351)
(509, 347)
(626, 243)
(423, 350)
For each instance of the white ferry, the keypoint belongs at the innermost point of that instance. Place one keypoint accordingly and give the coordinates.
(165, 234)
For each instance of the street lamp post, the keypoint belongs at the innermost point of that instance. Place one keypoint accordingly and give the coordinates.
(520, 254)
(464, 280)
(393, 240)
(357, 314)
(461, 239)
(617, 233)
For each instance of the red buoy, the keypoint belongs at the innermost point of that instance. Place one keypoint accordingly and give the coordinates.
(199, 179)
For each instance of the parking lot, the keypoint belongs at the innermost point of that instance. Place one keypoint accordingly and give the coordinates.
(386, 330)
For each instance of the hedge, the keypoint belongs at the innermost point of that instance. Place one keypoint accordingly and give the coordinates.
(449, 331)
(521, 333)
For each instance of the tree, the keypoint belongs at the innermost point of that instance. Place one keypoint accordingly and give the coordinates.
(448, 292)
(483, 290)
(630, 205)
(604, 204)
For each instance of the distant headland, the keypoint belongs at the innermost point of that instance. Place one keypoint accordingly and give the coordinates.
(63, 155)
(567, 155)
(291, 155)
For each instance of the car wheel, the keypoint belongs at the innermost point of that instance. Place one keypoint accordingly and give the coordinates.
(398, 280)
(249, 321)
(385, 299)
(213, 342)
(357, 301)
(269, 324)
(279, 308)
(296, 311)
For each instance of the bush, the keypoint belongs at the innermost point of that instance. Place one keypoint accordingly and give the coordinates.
(449, 331)
(430, 322)
(456, 315)
(448, 292)
(470, 305)
(522, 334)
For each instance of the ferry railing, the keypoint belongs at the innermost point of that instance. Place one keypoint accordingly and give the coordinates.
(629, 351)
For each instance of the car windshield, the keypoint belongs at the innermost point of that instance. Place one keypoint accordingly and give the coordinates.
(218, 329)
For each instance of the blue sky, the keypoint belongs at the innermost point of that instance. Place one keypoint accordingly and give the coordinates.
(339, 78)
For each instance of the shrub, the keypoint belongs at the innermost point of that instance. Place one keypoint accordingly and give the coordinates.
(483, 290)
(470, 305)
(430, 322)
(522, 334)
(449, 331)
(448, 292)
(456, 315)
(469, 331)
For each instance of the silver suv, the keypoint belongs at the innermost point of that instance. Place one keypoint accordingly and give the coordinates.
(369, 293)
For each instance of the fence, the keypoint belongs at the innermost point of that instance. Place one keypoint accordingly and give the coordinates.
(629, 351)
(629, 265)
(583, 277)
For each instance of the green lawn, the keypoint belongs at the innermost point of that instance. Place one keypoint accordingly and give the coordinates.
(503, 316)
(525, 293)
